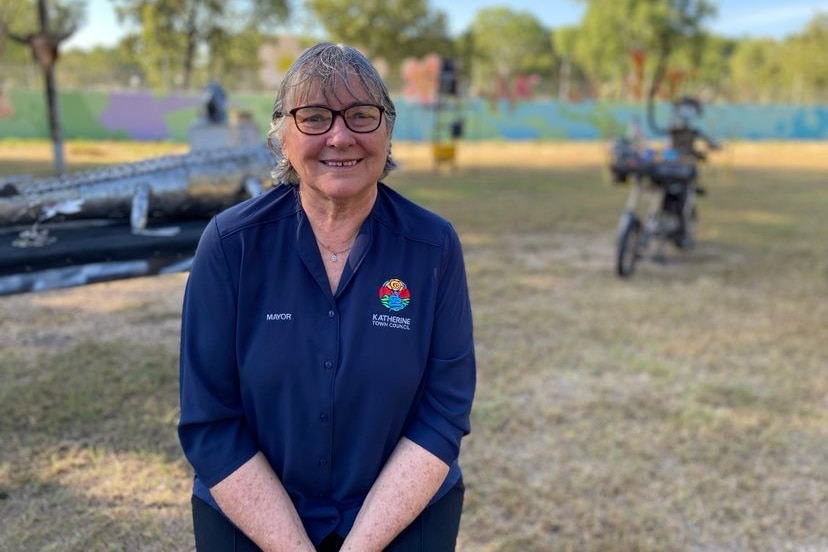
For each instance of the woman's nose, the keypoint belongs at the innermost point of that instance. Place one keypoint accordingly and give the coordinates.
(339, 132)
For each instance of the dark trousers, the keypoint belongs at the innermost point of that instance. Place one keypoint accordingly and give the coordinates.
(434, 530)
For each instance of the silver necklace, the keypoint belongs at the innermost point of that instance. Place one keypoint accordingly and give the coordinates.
(334, 255)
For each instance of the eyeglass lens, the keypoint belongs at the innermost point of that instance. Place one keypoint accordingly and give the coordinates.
(319, 120)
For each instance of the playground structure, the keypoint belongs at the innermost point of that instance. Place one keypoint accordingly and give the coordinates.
(448, 122)
(433, 83)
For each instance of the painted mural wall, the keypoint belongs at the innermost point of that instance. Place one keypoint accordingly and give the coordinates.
(151, 117)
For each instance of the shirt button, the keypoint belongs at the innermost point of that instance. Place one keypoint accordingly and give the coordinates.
(331, 314)
(323, 461)
(323, 417)
(328, 365)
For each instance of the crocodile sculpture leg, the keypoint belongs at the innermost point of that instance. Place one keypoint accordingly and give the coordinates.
(140, 209)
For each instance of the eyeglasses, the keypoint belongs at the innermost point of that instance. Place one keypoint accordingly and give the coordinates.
(316, 119)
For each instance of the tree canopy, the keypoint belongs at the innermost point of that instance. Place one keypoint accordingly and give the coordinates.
(20, 19)
(387, 29)
(172, 33)
(615, 34)
(506, 43)
(620, 50)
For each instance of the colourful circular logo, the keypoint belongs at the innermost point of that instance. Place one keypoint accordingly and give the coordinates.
(394, 295)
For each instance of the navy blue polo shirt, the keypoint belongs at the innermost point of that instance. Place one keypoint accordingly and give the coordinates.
(324, 384)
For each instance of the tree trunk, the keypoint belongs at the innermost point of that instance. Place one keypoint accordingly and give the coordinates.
(192, 44)
(664, 50)
(54, 119)
(51, 92)
(564, 82)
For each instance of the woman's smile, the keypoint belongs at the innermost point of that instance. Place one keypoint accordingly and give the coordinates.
(344, 163)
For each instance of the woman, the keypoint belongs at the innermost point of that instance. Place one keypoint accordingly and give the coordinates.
(327, 360)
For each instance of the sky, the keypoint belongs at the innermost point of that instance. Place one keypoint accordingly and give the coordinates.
(736, 18)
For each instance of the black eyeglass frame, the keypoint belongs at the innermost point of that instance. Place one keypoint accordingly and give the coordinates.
(334, 114)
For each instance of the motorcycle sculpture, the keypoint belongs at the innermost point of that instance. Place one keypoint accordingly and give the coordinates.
(666, 183)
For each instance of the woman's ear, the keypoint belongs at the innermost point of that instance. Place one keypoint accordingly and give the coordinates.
(283, 147)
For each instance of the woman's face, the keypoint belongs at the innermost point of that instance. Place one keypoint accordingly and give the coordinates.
(340, 164)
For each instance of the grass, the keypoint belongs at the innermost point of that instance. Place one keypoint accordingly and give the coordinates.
(681, 410)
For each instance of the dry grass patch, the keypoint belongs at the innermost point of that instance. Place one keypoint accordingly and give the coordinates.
(685, 409)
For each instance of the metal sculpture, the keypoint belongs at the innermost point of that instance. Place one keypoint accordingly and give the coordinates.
(193, 185)
(133, 219)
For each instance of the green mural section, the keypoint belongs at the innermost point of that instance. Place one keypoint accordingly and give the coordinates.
(137, 115)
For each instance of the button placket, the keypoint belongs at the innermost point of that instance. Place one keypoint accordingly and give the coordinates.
(325, 412)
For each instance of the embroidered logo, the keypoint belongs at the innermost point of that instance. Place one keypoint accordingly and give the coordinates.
(394, 295)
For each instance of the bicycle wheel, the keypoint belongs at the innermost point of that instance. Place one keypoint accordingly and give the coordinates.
(627, 253)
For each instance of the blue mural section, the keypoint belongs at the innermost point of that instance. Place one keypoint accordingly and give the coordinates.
(552, 120)
(151, 117)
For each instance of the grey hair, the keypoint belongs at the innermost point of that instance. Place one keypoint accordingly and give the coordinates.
(324, 67)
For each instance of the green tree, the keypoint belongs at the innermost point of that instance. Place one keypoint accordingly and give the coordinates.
(806, 62)
(613, 30)
(565, 41)
(389, 29)
(506, 43)
(173, 34)
(235, 58)
(712, 74)
(14, 14)
(99, 67)
(756, 69)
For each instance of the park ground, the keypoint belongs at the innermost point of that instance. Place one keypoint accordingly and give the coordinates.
(683, 409)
